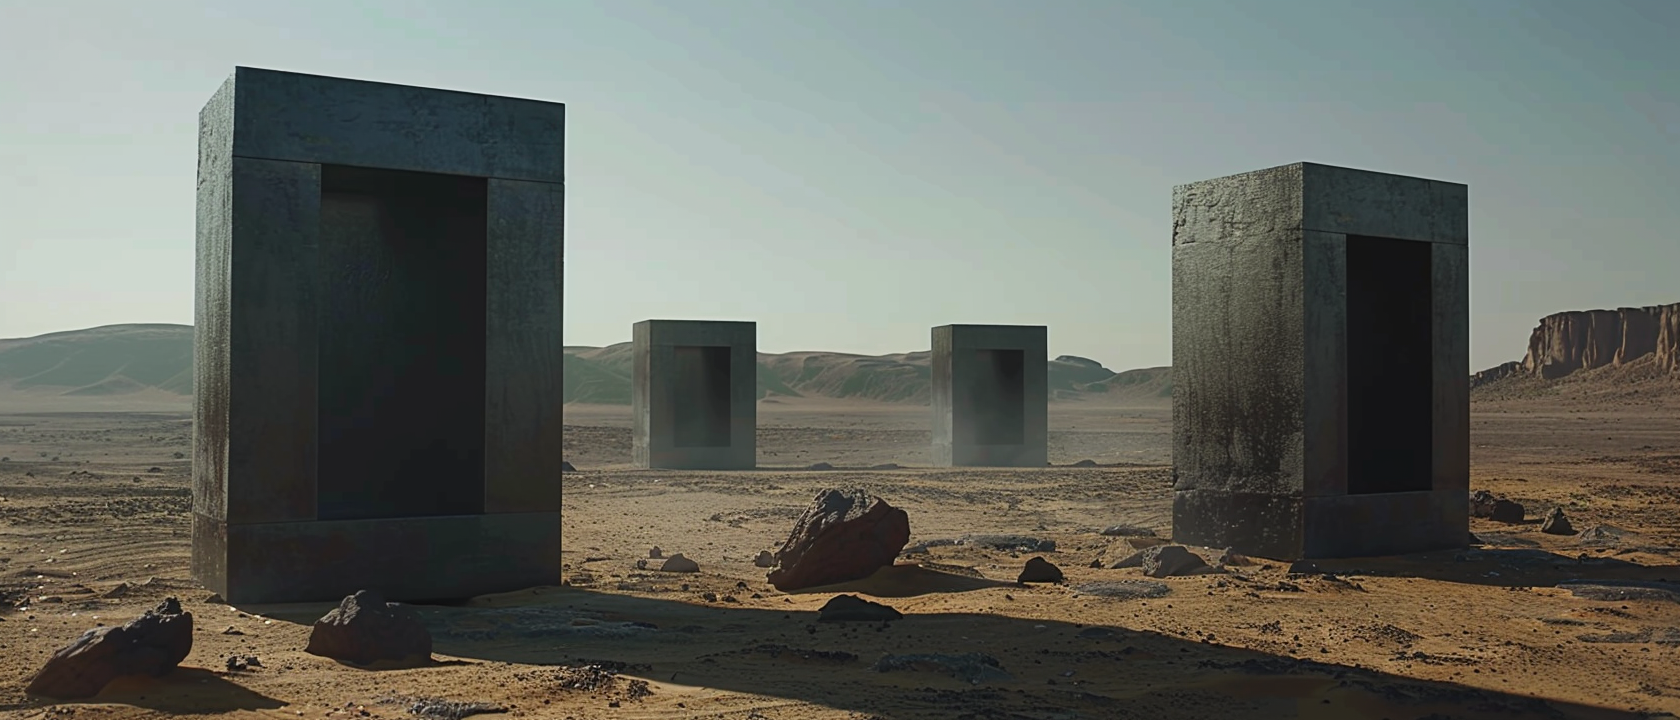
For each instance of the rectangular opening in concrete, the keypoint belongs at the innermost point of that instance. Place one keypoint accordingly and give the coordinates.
(401, 356)
(700, 395)
(997, 413)
(1390, 365)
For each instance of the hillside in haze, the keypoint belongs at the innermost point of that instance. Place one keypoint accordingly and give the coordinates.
(602, 376)
(1605, 354)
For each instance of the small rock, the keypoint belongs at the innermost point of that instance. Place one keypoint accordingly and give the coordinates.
(1556, 523)
(680, 564)
(1600, 535)
(364, 628)
(238, 663)
(1304, 567)
(765, 559)
(819, 466)
(1127, 531)
(1140, 543)
(1171, 560)
(1484, 504)
(851, 608)
(118, 591)
(656, 553)
(1039, 570)
(566, 467)
(152, 644)
(1085, 463)
(1229, 557)
(214, 599)
(886, 466)
(231, 630)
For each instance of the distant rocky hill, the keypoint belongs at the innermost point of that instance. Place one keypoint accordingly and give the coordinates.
(150, 367)
(1622, 353)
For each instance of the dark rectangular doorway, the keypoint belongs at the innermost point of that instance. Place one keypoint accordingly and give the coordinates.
(402, 306)
(1390, 366)
(700, 396)
(996, 394)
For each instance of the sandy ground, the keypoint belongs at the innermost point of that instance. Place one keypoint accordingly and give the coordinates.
(92, 502)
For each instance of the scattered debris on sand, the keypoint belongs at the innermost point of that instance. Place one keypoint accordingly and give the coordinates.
(972, 668)
(602, 678)
(1010, 543)
(242, 663)
(1125, 589)
(152, 644)
(851, 608)
(365, 629)
(429, 708)
(843, 535)
(1127, 531)
(1556, 523)
(1039, 570)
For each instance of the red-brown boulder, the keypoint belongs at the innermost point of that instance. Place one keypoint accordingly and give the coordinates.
(152, 644)
(844, 535)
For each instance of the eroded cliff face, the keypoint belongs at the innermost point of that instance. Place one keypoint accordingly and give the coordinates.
(1582, 340)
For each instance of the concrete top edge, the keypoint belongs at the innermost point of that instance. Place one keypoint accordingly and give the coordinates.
(697, 322)
(960, 326)
(1305, 167)
(242, 73)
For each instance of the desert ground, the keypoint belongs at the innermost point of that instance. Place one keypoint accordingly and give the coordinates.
(94, 529)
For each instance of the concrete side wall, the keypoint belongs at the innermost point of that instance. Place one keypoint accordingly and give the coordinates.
(656, 392)
(338, 121)
(523, 347)
(1325, 379)
(955, 368)
(1450, 265)
(1238, 345)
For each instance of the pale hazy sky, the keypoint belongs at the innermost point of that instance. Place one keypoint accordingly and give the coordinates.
(850, 173)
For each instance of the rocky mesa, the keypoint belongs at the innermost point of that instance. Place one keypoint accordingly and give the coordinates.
(1568, 342)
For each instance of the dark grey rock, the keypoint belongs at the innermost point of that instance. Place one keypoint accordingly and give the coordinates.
(1039, 570)
(566, 467)
(1229, 557)
(1172, 560)
(1484, 504)
(819, 466)
(1556, 523)
(678, 563)
(765, 559)
(851, 608)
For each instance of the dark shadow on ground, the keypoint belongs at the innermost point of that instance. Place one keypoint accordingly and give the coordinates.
(185, 691)
(1502, 567)
(902, 581)
(1044, 669)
